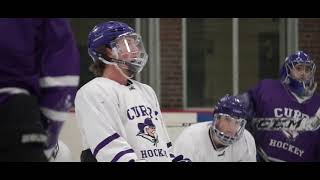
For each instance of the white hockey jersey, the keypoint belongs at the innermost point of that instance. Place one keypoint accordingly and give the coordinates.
(195, 143)
(121, 123)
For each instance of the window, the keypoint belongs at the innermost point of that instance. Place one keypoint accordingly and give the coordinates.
(209, 60)
(259, 50)
(262, 46)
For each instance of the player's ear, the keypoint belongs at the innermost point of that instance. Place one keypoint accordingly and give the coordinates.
(109, 53)
(105, 51)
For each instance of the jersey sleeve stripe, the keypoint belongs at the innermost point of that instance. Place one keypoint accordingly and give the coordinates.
(104, 143)
(56, 115)
(120, 154)
(58, 98)
(59, 81)
(14, 90)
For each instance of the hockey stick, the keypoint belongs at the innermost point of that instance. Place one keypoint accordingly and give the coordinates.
(179, 124)
(286, 123)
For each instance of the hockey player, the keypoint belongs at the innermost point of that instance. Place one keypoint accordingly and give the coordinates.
(222, 140)
(119, 118)
(288, 113)
(39, 73)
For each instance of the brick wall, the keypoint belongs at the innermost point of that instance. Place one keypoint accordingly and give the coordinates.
(171, 63)
(171, 56)
(309, 41)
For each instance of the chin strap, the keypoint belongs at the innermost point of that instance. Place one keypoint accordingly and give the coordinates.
(122, 73)
(117, 66)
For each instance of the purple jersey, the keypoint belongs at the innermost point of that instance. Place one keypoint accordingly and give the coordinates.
(271, 99)
(40, 57)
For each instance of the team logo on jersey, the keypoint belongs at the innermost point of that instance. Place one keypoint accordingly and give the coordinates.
(286, 146)
(147, 130)
(289, 112)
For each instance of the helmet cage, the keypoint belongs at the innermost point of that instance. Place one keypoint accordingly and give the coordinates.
(220, 135)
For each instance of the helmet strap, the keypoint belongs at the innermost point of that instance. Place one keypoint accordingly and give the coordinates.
(122, 73)
(117, 67)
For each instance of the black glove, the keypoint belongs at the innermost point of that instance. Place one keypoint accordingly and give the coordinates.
(180, 158)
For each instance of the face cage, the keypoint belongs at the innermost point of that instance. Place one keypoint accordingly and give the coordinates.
(291, 66)
(133, 65)
(224, 139)
(306, 85)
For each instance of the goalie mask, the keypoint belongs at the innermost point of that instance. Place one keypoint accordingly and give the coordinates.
(297, 73)
(229, 120)
(128, 51)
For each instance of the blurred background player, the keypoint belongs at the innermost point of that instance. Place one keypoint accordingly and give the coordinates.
(39, 76)
(222, 140)
(119, 118)
(293, 96)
